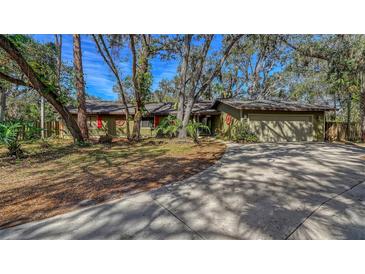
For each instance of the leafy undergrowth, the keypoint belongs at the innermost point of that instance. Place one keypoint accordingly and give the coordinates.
(61, 177)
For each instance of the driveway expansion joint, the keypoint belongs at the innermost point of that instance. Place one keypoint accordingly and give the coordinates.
(178, 218)
(322, 204)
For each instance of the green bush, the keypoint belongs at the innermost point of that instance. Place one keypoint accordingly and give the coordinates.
(241, 133)
(31, 131)
(9, 136)
(168, 127)
(193, 129)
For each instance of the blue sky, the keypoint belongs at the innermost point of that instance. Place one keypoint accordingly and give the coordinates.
(98, 77)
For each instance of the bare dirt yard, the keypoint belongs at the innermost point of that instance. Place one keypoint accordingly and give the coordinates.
(61, 177)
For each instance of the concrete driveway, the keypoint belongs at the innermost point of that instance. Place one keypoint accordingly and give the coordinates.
(259, 191)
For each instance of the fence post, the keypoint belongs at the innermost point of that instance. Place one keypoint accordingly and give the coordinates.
(42, 117)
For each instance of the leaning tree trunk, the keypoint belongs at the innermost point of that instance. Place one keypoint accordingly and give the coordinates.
(80, 87)
(2, 103)
(47, 91)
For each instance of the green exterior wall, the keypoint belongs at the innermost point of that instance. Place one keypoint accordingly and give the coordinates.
(220, 127)
(114, 125)
(223, 129)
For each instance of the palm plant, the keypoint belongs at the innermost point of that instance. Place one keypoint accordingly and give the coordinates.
(9, 136)
(168, 127)
(193, 129)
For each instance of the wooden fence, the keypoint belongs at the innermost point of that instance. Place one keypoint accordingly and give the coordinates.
(51, 129)
(336, 131)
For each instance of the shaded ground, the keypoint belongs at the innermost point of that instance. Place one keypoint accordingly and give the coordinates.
(258, 191)
(62, 177)
(267, 191)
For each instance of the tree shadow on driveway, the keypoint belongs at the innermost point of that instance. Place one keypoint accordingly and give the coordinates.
(264, 191)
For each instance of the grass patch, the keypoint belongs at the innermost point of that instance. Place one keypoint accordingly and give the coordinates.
(59, 177)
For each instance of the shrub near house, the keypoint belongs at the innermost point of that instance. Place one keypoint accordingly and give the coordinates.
(241, 133)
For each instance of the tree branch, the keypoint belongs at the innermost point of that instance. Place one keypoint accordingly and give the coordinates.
(47, 91)
(134, 61)
(14, 81)
(109, 61)
(306, 52)
(219, 66)
(200, 64)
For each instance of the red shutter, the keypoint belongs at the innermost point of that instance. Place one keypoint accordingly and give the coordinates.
(100, 122)
(156, 121)
(228, 119)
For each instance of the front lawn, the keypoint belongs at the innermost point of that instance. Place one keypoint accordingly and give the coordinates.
(62, 177)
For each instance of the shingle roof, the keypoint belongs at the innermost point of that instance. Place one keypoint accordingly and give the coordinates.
(102, 107)
(274, 105)
(201, 107)
(117, 108)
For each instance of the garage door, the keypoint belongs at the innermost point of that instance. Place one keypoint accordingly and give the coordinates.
(282, 127)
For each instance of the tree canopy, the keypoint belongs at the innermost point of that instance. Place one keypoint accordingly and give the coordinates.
(318, 69)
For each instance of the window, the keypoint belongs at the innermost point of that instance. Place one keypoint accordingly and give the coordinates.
(147, 122)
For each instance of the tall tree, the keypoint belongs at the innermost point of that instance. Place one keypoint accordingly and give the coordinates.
(201, 73)
(107, 57)
(344, 55)
(35, 81)
(183, 75)
(249, 70)
(80, 87)
(141, 48)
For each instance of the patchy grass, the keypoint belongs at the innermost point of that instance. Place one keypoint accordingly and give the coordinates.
(62, 177)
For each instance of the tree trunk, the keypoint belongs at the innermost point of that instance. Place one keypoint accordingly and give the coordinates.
(42, 117)
(362, 107)
(58, 43)
(47, 91)
(349, 101)
(180, 106)
(335, 105)
(187, 114)
(80, 87)
(194, 95)
(136, 133)
(184, 68)
(2, 103)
